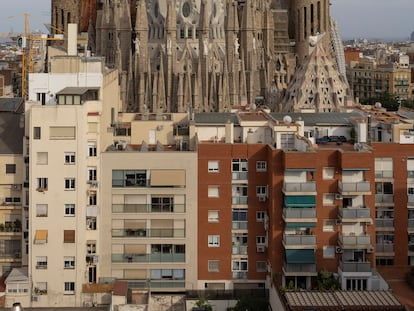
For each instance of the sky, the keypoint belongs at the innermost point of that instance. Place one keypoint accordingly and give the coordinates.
(382, 19)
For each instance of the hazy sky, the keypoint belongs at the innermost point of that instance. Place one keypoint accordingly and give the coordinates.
(356, 18)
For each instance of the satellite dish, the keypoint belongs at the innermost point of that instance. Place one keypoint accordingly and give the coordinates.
(287, 119)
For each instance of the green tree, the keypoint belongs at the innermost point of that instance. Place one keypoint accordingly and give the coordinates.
(251, 303)
(327, 281)
(204, 304)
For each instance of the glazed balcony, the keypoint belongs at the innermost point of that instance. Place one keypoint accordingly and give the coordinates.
(355, 266)
(352, 241)
(299, 188)
(299, 269)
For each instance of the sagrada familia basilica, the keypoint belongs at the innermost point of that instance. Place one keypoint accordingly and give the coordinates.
(215, 55)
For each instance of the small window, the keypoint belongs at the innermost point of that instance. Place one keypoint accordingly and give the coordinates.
(69, 262)
(41, 184)
(328, 225)
(213, 216)
(41, 210)
(213, 191)
(260, 216)
(42, 158)
(213, 166)
(214, 266)
(91, 173)
(261, 266)
(36, 132)
(10, 168)
(328, 199)
(90, 223)
(261, 240)
(69, 183)
(91, 247)
(69, 209)
(41, 262)
(261, 191)
(328, 251)
(68, 236)
(92, 198)
(92, 148)
(69, 158)
(261, 166)
(69, 288)
(328, 173)
(213, 241)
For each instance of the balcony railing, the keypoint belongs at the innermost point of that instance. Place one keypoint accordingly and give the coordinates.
(151, 233)
(304, 240)
(146, 258)
(239, 250)
(300, 268)
(237, 200)
(299, 187)
(350, 240)
(239, 175)
(239, 275)
(384, 198)
(299, 213)
(148, 208)
(153, 284)
(384, 248)
(355, 187)
(384, 223)
(410, 198)
(411, 223)
(410, 174)
(411, 247)
(354, 266)
(384, 174)
(354, 212)
(239, 225)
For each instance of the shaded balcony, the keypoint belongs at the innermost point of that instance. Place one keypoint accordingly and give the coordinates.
(354, 188)
(299, 262)
(352, 241)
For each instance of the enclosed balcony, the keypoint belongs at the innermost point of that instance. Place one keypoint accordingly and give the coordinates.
(354, 188)
(385, 223)
(355, 266)
(296, 241)
(353, 241)
(299, 262)
(384, 198)
(385, 248)
(355, 214)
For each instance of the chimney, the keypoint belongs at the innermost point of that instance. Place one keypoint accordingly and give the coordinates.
(72, 39)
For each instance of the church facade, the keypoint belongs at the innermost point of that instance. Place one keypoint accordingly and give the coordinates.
(199, 55)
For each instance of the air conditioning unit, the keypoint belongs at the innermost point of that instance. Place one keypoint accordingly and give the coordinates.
(338, 222)
(370, 250)
(16, 187)
(260, 248)
(262, 198)
(338, 250)
(338, 196)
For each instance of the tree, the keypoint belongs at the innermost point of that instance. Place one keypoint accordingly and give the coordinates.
(203, 304)
(251, 303)
(327, 281)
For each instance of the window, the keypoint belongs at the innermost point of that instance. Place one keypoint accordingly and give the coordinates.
(41, 262)
(213, 191)
(91, 223)
(41, 184)
(328, 251)
(287, 141)
(214, 266)
(213, 166)
(91, 247)
(92, 198)
(260, 240)
(69, 288)
(69, 262)
(10, 168)
(261, 166)
(62, 132)
(328, 173)
(260, 215)
(384, 188)
(68, 236)
(41, 210)
(213, 216)
(91, 173)
(40, 288)
(261, 191)
(239, 218)
(92, 148)
(261, 266)
(12, 200)
(69, 209)
(69, 158)
(42, 158)
(69, 183)
(167, 274)
(328, 225)
(328, 199)
(36, 132)
(240, 265)
(239, 165)
(213, 241)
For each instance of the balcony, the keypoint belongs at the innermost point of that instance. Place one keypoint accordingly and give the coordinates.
(239, 175)
(384, 198)
(384, 174)
(354, 266)
(239, 225)
(352, 241)
(148, 233)
(239, 200)
(299, 214)
(299, 241)
(385, 248)
(147, 258)
(239, 250)
(410, 224)
(237, 275)
(354, 188)
(385, 223)
(411, 248)
(411, 198)
(299, 188)
(148, 208)
(352, 214)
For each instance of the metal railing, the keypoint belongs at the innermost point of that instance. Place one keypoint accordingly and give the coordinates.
(358, 186)
(151, 233)
(309, 186)
(146, 258)
(299, 239)
(148, 208)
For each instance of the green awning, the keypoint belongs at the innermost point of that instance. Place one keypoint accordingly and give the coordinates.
(300, 256)
(300, 201)
(300, 225)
